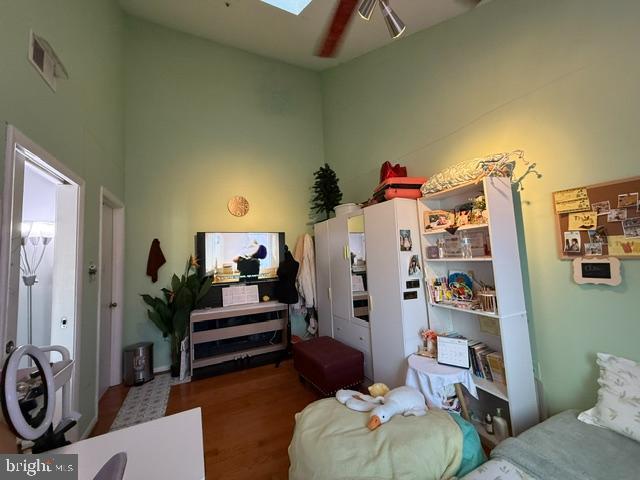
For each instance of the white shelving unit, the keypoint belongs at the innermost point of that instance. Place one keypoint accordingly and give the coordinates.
(507, 330)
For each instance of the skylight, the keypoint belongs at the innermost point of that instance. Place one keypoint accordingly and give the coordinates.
(291, 6)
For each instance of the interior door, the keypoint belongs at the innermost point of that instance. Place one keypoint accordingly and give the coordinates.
(385, 316)
(11, 236)
(340, 268)
(65, 260)
(106, 300)
(323, 280)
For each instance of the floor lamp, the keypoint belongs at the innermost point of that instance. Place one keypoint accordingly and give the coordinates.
(36, 237)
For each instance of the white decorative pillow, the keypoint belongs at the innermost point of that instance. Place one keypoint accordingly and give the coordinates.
(618, 406)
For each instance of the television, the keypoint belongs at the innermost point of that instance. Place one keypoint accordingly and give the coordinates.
(246, 257)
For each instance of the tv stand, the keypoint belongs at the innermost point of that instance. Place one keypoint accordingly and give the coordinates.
(239, 332)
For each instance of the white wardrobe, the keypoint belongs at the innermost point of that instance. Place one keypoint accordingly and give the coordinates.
(370, 286)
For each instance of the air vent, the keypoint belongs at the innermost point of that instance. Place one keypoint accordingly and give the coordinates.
(45, 61)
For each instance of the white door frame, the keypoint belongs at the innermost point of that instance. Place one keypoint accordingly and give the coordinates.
(15, 137)
(117, 288)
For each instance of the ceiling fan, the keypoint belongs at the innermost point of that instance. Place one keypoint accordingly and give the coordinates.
(343, 14)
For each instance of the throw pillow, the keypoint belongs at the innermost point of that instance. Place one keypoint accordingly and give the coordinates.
(618, 406)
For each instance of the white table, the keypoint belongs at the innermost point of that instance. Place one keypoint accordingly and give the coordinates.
(430, 377)
(167, 448)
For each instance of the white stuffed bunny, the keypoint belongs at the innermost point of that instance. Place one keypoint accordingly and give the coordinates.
(402, 400)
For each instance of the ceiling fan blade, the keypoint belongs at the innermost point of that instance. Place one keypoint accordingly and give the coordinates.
(341, 18)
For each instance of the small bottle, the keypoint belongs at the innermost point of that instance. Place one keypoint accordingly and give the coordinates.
(488, 423)
(441, 251)
(500, 426)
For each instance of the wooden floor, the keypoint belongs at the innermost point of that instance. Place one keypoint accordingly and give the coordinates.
(108, 408)
(247, 419)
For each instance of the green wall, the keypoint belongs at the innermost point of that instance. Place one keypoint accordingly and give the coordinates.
(557, 78)
(80, 124)
(206, 122)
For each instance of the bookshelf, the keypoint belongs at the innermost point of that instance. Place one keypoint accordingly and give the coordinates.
(504, 330)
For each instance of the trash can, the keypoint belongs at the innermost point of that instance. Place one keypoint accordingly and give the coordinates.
(138, 363)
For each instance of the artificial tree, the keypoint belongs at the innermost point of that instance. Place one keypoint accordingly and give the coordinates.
(326, 192)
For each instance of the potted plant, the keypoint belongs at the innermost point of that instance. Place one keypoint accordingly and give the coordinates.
(170, 312)
(326, 192)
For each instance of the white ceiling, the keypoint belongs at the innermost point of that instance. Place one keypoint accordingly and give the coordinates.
(260, 28)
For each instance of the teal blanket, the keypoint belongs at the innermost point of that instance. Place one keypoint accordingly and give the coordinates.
(563, 447)
(472, 454)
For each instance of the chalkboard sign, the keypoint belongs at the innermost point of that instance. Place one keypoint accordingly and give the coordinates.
(597, 270)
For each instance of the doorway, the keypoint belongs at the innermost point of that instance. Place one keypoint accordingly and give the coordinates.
(111, 288)
(40, 251)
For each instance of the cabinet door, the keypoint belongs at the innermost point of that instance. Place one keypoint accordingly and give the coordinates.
(323, 280)
(385, 317)
(340, 268)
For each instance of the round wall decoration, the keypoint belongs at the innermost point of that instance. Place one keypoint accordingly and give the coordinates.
(238, 206)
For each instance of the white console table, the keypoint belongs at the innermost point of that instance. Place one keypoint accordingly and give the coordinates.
(223, 333)
(164, 449)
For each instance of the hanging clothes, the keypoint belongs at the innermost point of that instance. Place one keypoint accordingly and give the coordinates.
(306, 281)
(286, 291)
(155, 261)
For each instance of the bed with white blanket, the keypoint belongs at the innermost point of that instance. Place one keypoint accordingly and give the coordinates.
(562, 448)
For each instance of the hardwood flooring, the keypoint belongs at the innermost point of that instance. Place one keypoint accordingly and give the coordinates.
(247, 419)
(108, 408)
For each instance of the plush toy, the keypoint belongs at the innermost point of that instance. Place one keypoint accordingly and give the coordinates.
(402, 400)
(378, 390)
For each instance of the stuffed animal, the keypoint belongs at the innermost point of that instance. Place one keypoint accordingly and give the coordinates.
(378, 390)
(402, 400)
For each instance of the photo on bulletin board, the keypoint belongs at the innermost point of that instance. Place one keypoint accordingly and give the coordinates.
(626, 200)
(406, 244)
(593, 248)
(414, 266)
(599, 235)
(631, 227)
(617, 215)
(601, 208)
(572, 243)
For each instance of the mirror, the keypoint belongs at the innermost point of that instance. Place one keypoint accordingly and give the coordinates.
(28, 392)
(357, 248)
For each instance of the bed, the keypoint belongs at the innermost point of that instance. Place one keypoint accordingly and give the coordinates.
(332, 442)
(562, 448)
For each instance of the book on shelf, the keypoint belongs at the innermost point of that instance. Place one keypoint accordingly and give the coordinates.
(476, 353)
(496, 365)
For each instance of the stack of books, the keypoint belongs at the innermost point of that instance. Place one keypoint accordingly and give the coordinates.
(485, 362)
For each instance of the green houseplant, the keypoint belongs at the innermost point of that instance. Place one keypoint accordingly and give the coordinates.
(170, 312)
(326, 191)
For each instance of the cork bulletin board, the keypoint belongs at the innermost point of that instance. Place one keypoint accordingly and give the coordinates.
(599, 220)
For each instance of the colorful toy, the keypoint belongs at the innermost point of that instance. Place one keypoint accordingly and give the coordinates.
(402, 400)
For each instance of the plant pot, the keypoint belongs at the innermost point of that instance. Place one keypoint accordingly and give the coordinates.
(175, 356)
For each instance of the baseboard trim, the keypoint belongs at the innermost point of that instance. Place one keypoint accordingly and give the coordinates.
(162, 369)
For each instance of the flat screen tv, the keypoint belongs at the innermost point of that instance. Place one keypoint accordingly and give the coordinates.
(230, 257)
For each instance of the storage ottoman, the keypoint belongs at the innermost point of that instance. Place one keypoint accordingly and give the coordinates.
(328, 364)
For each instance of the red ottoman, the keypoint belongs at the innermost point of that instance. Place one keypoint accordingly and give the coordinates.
(328, 364)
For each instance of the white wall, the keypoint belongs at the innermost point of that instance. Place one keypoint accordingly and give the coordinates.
(39, 206)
